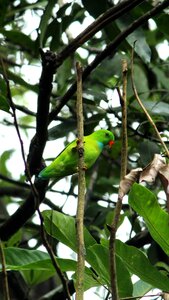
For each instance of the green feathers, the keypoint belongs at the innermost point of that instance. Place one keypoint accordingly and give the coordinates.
(67, 161)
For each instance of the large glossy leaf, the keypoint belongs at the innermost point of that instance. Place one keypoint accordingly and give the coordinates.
(63, 228)
(141, 46)
(98, 257)
(145, 204)
(35, 265)
(158, 108)
(137, 263)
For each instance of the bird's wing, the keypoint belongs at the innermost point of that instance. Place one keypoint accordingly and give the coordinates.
(64, 164)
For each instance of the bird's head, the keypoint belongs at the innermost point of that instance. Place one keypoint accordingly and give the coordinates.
(103, 136)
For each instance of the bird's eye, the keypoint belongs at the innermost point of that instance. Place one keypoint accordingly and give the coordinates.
(107, 134)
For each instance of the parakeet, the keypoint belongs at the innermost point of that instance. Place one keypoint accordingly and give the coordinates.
(66, 163)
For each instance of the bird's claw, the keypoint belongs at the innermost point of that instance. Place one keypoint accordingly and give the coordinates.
(84, 168)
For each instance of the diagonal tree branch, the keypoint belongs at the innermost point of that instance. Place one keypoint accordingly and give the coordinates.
(109, 50)
(109, 16)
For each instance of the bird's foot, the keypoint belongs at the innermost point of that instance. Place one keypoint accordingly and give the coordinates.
(84, 168)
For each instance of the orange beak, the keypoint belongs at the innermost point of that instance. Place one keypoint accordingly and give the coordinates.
(111, 143)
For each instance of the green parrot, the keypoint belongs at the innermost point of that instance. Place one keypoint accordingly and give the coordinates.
(66, 163)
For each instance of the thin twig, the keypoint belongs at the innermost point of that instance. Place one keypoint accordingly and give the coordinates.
(118, 207)
(143, 296)
(4, 273)
(15, 182)
(81, 190)
(143, 107)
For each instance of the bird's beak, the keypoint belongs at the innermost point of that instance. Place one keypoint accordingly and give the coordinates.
(111, 143)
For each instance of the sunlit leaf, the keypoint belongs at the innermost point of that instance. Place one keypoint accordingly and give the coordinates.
(63, 228)
(140, 288)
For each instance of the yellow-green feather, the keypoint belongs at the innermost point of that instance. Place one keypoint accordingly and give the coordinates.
(67, 161)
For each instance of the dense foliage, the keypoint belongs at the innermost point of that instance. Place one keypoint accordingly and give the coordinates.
(38, 51)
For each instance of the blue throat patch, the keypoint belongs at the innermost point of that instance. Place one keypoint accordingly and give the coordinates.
(101, 145)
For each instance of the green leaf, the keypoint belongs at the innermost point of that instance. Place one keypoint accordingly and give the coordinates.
(141, 46)
(140, 288)
(140, 80)
(147, 149)
(54, 30)
(63, 228)
(145, 204)
(21, 259)
(4, 105)
(69, 125)
(161, 22)
(36, 266)
(90, 279)
(34, 277)
(156, 108)
(64, 72)
(135, 259)
(17, 79)
(45, 19)
(15, 239)
(62, 129)
(161, 75)
(98, 257)
(95, 8)
(3, 159)
(19, 38)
